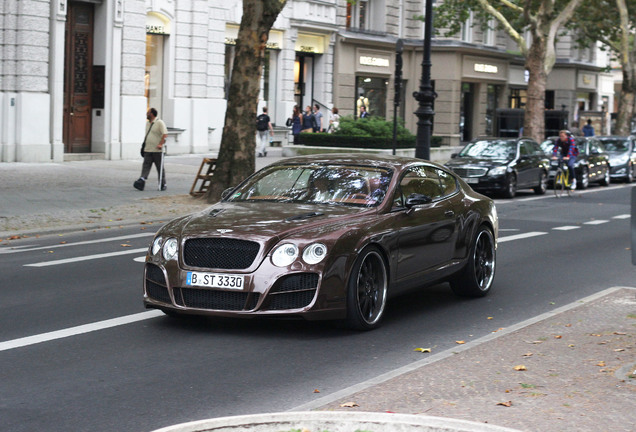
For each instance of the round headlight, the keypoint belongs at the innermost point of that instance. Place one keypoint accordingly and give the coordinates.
(314, 253)
(170, 248)
(156, 245)
(284, 255)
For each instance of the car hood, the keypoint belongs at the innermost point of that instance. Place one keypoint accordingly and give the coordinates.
(476, 162)
(264, 220)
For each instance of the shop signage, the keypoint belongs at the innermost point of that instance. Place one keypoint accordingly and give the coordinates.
(374, 61)
(157, 24)
(486, 68)
(308, 43)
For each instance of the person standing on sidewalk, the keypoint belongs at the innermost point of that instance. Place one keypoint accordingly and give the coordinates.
(156, 134)
(318, 127)
(263, 126)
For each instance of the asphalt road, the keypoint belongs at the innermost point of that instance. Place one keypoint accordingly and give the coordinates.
(79, 352)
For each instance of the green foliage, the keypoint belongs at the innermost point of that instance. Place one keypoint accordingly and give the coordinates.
(372, 126)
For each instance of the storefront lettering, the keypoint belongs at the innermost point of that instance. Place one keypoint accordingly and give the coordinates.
(587, 80)
(268, 45)
(155, 29)
(374, 61)
(486, 68)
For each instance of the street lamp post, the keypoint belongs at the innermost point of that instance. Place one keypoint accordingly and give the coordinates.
(399, 46)
(426, 96)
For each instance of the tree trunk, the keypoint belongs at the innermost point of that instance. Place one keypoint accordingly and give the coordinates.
(236, 154)
(626, 103)
(534, 120)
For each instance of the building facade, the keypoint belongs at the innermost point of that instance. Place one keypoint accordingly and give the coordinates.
(77, 77)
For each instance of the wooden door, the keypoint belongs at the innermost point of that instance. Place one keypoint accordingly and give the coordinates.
(78, 64)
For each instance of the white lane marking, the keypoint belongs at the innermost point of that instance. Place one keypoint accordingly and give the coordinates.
(596, 222)
(520, 236)
(509, 229)
(85, 258)
(16, 249)
(74, 331)
(566, 228)
(623, 216)
(140, 259)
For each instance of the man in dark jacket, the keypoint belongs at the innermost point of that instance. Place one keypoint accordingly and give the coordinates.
(565, 149)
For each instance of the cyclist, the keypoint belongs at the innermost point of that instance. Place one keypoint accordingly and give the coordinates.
(565, 149)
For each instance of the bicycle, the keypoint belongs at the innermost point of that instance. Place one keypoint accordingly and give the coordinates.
(562, 181)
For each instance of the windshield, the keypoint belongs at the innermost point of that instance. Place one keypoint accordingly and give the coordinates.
(615, 145)
(491, 149)
(317, 184)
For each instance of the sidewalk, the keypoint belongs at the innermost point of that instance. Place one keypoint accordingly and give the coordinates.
(580, 361)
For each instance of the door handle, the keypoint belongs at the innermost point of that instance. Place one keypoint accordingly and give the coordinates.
(449, 213)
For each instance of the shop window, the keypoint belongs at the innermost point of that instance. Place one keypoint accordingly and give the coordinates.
(154, 71)
(549, 99)
(357, 15)
(492, 103)
(372, 93)
(467, 29)
(518, 98)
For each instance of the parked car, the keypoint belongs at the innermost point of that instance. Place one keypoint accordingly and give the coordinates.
(502, 165)
(622, 156)
(592, 164)
(325, 237)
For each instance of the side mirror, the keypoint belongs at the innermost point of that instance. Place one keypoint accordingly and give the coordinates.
(454, 155)
(226, 193)
(417, 199)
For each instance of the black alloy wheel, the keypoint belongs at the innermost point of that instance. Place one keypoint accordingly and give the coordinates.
(367, 290)
(475, 280)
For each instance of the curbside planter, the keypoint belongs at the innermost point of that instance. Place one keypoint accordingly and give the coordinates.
(438, 154)
(334, 421)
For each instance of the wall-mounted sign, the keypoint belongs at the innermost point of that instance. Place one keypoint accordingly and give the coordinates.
(310, 43)
(275, 40)
(157, 24)
(374, 61)
(486, 68)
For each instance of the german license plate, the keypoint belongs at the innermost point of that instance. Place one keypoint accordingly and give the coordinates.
(213, 280)
(471, 180)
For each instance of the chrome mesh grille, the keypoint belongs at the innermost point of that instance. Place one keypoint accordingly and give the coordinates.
(470, 172)
(293, 292)
(220, 253)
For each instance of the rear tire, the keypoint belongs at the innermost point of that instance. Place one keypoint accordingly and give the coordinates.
(475, 279)
(367, 290)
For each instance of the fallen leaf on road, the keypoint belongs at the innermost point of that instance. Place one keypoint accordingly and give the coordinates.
(558, 337)
(601, 364)
(506, 404)
(423, 350)
(316, 391)
(125, 245)
(534, 342)
(490, 318)
(460, 342)
(62, 242)
(520, 368)
(620, 333)
(349, 405)
(594, 334)
(571, 346)
(619, 350)
(527, 355)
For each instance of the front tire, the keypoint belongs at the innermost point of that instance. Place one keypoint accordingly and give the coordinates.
(606, 177)
(584, 179)
(511, 186)
(475, 280)
(367, 290)
(543, 184)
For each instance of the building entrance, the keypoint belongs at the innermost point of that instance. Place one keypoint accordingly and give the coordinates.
(78, 64)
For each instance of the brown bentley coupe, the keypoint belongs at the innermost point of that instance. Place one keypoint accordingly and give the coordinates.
(325, 237)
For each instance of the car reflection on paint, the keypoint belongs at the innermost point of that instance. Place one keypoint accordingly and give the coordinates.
(325, 237)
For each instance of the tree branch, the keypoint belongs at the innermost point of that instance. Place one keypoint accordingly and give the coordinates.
(508, 28)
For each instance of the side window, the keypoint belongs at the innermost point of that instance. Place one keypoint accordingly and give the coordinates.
(423, 180)
(524, 150)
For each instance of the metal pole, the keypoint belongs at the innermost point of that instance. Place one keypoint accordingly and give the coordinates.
(426, 96)
(398, 88)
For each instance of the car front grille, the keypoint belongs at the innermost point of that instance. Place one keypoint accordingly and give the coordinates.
(215, 300)
(220, 253)
(293, 292)
(470, 172)
(156, 286)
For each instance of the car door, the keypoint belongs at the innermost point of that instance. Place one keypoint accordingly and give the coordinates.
(527, 169)
(427, 231)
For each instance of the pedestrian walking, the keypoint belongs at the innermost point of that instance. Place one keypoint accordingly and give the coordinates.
(576, 131)
(264, 128)
(334, 122)
(588, 129)
(296, 123)
(309, 122)
(152, 150)
(318, 127)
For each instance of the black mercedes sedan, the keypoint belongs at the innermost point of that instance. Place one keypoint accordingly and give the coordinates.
(622, 154)
(502, 165)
